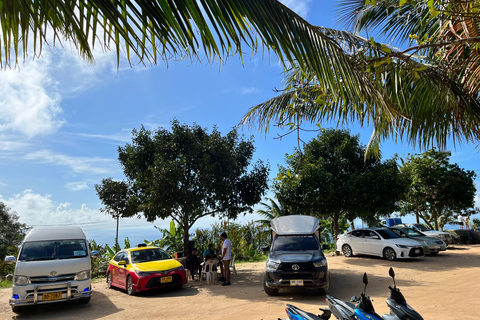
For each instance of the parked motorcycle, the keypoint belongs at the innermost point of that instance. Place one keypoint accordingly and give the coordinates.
(364, 310)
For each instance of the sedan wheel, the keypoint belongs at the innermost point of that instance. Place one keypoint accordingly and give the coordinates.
(130, 289)
(109, 280)
(347, 250)
(389, 254)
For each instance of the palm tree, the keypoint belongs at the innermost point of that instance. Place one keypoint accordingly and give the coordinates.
(271, 211)
(354, 79)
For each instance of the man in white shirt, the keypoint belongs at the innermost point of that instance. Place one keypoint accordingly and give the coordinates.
(226, 256)
(460, 220)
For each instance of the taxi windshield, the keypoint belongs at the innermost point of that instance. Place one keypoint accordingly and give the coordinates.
(150, 254)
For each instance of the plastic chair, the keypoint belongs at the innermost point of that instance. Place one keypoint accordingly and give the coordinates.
(211, 274)
(232, 265)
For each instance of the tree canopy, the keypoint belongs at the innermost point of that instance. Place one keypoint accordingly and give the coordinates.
(187, 173)
(12, 233)
(437, 189)
(332, 179)
(405, 96)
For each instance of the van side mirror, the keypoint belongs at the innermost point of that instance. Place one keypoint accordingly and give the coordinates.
(10, 260)
(266, 249)
(325, 247)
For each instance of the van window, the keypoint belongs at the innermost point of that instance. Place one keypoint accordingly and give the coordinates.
(53, 249)
(295, 243)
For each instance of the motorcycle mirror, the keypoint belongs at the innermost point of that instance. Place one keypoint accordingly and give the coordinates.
(392, 274)
(365, 281)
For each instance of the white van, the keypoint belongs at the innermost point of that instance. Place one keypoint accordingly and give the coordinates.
(53, 265)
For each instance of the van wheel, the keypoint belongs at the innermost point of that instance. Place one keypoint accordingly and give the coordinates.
(389, 254)
(347, 250)
(84, 300)
(269, 291)
(109, 280)
(18, 309)
(130, 289)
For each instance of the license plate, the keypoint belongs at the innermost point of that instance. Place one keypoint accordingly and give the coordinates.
(52, 296)
(417, 251)
(165, 279)
(296, 283)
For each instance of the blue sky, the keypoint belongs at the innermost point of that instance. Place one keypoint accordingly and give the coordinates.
(61, 121)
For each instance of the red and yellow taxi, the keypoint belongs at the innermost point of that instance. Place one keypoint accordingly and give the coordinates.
(144, 268)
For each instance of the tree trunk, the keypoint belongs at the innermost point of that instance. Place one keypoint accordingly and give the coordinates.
(186, 239)
(416, 216)
(435, 217)
(336, 231)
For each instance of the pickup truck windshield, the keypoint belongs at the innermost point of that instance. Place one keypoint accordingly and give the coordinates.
(53, 249)
(295, 243)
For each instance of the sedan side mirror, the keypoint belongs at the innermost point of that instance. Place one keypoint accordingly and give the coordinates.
(122, 263)
(10, 260)
(325, 247)
(266, 249)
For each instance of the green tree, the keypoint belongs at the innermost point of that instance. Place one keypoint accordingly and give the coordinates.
(437, 188)
(356, 78)
(12, 233)
(118, 199)
(186, 174)
(333, 180)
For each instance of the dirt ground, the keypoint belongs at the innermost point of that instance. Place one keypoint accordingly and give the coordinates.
(443, 287)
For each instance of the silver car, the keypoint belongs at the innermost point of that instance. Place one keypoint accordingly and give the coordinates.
(445, 236)
(430, 245)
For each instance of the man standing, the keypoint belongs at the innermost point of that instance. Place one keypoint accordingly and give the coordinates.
(460, 220)
(226, 256)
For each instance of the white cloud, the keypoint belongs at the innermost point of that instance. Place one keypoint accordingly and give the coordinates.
(76, 186)
(249, 90)
(77, 164)
(299, 6)
(28, 106)
(35, 209)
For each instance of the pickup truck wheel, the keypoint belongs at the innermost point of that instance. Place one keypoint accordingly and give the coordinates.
(130, 289)
(347, 250)
(269, 291)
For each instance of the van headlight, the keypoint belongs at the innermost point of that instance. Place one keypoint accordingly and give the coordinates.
(272, 265)
(20, 280)
(83, 275)
(319, 264)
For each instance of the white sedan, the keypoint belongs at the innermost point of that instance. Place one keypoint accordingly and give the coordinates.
(378, 242)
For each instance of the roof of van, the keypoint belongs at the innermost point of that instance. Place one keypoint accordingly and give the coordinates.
(54, 233)
(295, 224)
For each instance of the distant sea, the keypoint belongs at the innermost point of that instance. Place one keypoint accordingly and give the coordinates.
(136, 235)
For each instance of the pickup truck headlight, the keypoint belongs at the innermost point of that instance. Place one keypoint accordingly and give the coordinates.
(319, 264)
(20, 280)
(272, 265)
(83, 275)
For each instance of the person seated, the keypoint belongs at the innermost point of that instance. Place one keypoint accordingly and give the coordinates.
(192, 263)
(209, 253)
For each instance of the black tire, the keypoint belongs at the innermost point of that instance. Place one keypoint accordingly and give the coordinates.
(347, 250)
(18, 309)
(84, 300)
(130, 289)
(389, 254)
(269, 291)
(109, 280)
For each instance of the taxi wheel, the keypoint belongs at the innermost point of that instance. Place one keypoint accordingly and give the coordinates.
(130, 289)
(109, 280)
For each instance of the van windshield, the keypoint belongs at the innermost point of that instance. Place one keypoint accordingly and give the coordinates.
(295, 243)
(53, 249)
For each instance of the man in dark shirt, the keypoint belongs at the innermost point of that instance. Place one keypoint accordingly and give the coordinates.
(192, 262)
